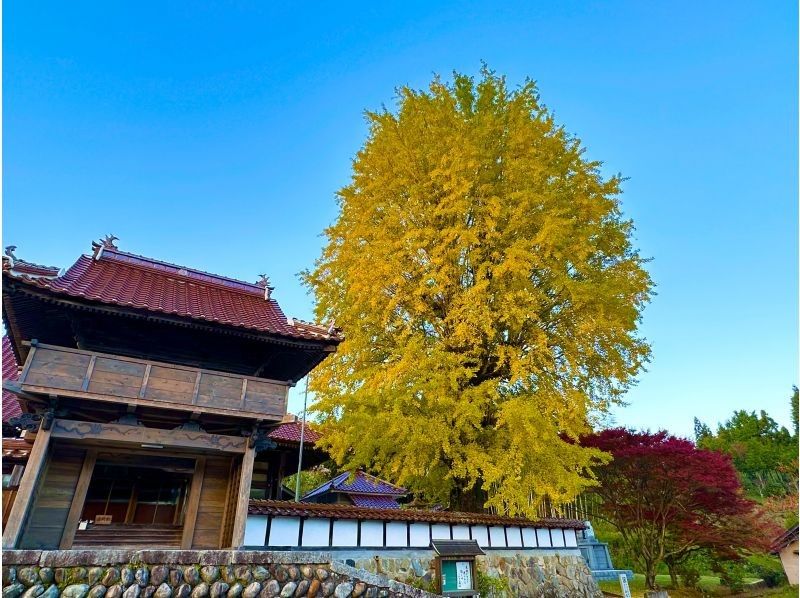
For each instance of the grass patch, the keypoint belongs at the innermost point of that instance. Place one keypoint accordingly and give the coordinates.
(709, 585)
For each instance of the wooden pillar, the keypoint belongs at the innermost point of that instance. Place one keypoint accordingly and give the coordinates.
(76, 508)
(27, 487)
(193, 502)
(243, 500)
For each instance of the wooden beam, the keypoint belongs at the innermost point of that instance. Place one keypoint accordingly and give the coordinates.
(193, 503)
(76, 508)
(119, 434)
(27, 486)
(243, 500)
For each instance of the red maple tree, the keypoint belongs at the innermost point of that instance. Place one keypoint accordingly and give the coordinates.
(668, 499)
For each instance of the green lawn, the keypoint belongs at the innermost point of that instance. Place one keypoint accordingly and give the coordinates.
(708, 586)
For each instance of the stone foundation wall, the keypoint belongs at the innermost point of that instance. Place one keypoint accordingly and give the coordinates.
(530, 573)
(542, 575)
(189, 574)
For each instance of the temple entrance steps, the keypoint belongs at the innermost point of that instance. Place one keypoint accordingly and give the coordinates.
(129, 536)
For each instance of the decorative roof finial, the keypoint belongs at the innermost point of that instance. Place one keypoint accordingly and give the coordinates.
(263, 282)
(108, 242)
(10, 252)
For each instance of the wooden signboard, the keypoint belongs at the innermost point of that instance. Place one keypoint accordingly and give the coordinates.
(102, 519)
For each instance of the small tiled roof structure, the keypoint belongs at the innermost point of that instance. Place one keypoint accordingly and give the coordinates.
(114, 277)
(457, 547)
(289, 432)
(282, 508)
(11, 406)
(362, 490)
(786, 538)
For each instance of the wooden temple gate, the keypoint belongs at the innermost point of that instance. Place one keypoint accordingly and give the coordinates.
(146, 427)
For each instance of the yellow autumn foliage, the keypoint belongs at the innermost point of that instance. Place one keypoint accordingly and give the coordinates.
(485, 280)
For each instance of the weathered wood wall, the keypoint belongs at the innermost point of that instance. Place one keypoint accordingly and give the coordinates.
(52, 499)
(211, 511)
(108, 377)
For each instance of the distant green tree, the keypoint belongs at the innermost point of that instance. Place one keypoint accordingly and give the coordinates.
(793, 402)
(760, 448)
(701, 430)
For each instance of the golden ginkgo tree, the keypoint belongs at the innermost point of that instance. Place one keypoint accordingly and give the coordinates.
(486, 283)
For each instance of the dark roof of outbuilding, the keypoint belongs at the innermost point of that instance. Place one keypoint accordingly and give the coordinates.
(786, 538)
(362, 483)
(457, 547)
(114, 277)
(282, 508)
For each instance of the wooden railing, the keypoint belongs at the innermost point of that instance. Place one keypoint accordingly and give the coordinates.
(53, 370)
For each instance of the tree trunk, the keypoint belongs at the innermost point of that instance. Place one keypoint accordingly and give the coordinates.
(650, 576)
(468, 500)
(673, 574)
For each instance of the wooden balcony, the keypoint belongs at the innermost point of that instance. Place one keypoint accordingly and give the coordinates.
(60, 371)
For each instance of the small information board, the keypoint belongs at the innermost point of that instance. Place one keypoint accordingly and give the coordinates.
(455, 566)
(623, 583)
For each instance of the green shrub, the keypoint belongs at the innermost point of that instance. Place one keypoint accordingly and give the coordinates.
(766, 567)
(731, 574)
(421, 584)
(491, 587)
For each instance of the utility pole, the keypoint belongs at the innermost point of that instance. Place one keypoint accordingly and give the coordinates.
(302, 439)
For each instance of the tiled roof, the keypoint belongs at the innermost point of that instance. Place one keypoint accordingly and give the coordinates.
(786, 538)
(290, 432)
(362, 483)
(374, 502)
(117, 278)
(284, 508)
(11, 406)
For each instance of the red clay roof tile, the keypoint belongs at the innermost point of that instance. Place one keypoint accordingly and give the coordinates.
(117, 278)
(290, 432)
(10, 406)
(284, 508)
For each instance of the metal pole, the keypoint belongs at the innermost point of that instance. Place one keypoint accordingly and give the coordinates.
(302, 439)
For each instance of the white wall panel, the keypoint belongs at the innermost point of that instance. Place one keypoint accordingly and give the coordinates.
(372, 533)
(481, 534)
(420, 534)
(345, 532)
(514, 536)
(498, 536)
(396, 533)
(529, 537)
(284, 531)
(316, 532)
(255, 530)
(460, 532)
(572, 539)
(558, 537)
(441, 531)
(543, 536)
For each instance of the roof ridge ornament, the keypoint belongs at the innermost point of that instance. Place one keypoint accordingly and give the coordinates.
(107, 242)
(263, 282)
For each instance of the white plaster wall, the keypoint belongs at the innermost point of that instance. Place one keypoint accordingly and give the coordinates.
(345, 532)
(441, 531)
(316, 532)
(543, 536)
(529, 537)
(558, 537)
(396, 533)
(284, 531)
(460, 532)
(572, 539)
(481, 534)
(514, 535)
(372, 533)
(255, 530)
(498, 536)
(420, 534)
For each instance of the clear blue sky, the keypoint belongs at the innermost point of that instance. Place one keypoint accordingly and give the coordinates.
(215, 136)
